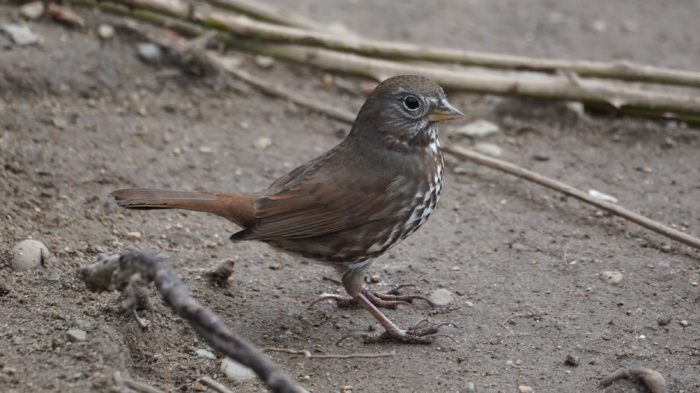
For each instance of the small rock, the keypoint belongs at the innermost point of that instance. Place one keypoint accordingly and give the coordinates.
(20, 34)
(77, 335)
(32, 10)
(525, 389)
(540, 157)
(477, 129)
(469, 387)
(205, 149)
(29, 254)
(441, 297)
(135, 235)
(599, 26)
(571, 360)
(611, 276)
(203, 353)
(264, 61)
(105, 31)
(59, 122)
(489, 149)
(663, 321)
(148, 53)
(263, 143)
(684, 323)
(375, 278)
(235, 371)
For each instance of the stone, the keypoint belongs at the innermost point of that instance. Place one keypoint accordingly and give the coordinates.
(29, 254)
(236, 372)
(489, 149)
(611, 277)
(21, 35)
(441, 297)
(477, 129)
(77, 335)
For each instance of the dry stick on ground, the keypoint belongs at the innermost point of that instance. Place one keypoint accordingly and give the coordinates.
(180, 16)
(308, 354)
(298, 29)
(208, 381)
(622, 70)
(115, 272)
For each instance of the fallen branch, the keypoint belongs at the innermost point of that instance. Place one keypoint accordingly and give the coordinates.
(652, 379)
(191, 22)
(566, 189)
(309, 355)
(208, 381)
(136, 386)
(116, 272)
(621, 70)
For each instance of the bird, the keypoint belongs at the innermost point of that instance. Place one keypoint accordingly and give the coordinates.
(351, 204)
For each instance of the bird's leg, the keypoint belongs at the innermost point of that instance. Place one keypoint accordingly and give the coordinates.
(417, 334)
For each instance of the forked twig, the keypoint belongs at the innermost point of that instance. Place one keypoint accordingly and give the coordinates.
(115, 272)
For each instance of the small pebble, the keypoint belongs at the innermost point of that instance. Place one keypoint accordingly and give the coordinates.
(59, 122)
(469, 387)
(374, 278)
(488, 149)
(148, 53)
(105, 31)
(603, 197)
(235, 371)
(525, 389)
(32, 10)
(135, 235)
(205, 150)
(77, 335)
(663, 321)
(611, 276)
(203, 353)
(29, 254)
(684, 323)
(264, 61)
(477, 129)
(263, 143)
(21, 35)
(441, 297)
(571, 360)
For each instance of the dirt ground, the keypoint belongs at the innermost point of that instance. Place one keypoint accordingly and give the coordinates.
(80, 117)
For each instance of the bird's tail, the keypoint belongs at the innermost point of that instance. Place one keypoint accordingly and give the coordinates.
(237, 207)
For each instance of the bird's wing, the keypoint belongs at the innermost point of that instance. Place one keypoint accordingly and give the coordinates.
(310, 209)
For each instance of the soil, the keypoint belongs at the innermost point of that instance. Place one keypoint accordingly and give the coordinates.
(80, 118)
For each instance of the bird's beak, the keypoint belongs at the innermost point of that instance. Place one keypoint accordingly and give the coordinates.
(444, 111)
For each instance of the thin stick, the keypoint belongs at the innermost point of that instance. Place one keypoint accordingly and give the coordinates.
(308, 354)
(622, 70)
(652, 379)
(115, 272)
(208, 381)
(270, 13)
(550, 183)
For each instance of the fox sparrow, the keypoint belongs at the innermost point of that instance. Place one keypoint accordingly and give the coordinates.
(351, 204)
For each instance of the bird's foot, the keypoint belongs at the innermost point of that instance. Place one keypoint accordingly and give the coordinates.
(423, 332)
(390, 299)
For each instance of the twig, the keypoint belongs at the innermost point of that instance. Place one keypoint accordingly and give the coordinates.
(308, 354)
(191, 22)
(617, 210)
(652, 379)
(115, 272)
(134, 385)
(621, 70)
(208, 381)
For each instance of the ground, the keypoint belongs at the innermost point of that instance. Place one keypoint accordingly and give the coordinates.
(80, 117)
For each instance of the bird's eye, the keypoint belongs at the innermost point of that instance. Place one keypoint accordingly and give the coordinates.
(411, 103)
